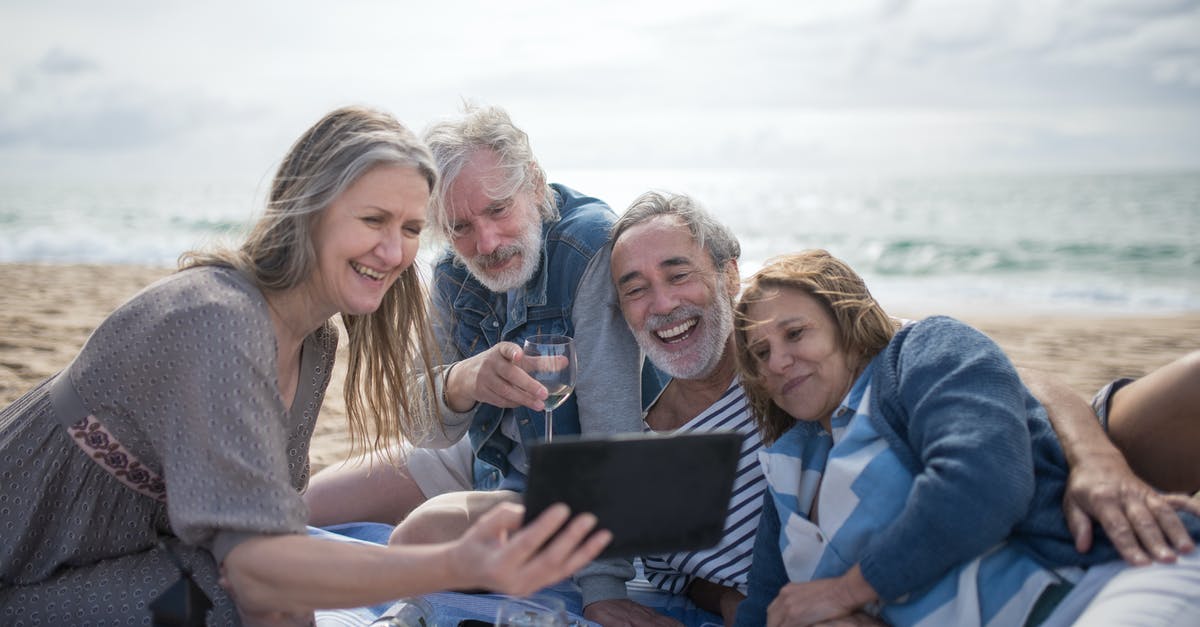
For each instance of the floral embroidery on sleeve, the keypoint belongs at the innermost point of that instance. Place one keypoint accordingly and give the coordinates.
(91, 436)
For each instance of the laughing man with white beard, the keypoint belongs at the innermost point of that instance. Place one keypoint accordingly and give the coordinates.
(676, 273)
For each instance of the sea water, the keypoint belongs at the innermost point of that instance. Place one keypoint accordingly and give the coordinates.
(1081, 243)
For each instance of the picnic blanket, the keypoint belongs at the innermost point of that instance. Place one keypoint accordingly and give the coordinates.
(452, 607)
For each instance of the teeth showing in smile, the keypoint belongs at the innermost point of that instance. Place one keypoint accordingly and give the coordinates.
(677, 332)
(367, 272)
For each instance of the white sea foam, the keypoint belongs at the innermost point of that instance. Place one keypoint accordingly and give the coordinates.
(1083, 243)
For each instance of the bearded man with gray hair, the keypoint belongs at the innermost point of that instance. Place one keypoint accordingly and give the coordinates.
(525, 258)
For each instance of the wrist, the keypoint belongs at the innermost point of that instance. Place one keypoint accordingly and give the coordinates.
(856, 589)
(447, 396)
(731, 598)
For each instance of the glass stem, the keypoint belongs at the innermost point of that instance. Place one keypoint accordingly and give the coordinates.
(549, 425)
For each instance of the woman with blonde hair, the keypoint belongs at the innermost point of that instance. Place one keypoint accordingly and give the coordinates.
(177, 439)
(911, 475)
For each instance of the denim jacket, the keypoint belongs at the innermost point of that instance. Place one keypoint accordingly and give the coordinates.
(471, 318)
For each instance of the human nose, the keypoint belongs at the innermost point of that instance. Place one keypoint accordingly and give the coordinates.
(487, 237)
(393, 249)
(662, 301)
(778, 361)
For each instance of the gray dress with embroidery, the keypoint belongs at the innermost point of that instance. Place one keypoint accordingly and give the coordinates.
(183, 378)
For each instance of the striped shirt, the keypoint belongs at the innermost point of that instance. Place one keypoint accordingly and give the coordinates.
(727, 563)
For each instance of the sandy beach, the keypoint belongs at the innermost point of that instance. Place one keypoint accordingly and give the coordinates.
(47, 312)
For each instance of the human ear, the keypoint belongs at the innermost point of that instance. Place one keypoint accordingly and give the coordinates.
(732, 278)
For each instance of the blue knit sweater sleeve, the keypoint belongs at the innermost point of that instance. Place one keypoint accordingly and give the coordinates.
(767, 572)
(952, 407)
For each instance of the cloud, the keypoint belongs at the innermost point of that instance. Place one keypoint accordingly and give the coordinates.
(59, 61)
(66, 101)
(703, 83)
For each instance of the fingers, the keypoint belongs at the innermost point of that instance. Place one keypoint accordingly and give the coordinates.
(574, 548)
(540, 563)
(567, 552)
(1183, 503)
(1080, 525)
(523, 545)
(1145, 523)
(504, 383)
(541, 528)
(1119, 531)
(1110, 505)
(1145, 529)
(1172, 525)
(501, 517)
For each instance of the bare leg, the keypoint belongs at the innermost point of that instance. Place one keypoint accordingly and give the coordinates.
(446, 517)
(362, 490)
(1155, 421)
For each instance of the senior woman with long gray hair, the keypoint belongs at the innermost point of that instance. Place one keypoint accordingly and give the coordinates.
(175, 445)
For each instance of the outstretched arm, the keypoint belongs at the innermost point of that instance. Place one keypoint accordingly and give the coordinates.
(294, 574)
(1141, 522)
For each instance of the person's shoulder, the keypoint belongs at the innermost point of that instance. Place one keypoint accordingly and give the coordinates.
(202, 285)
(940, 344)
(583, 221)
(569, 198)
(579, 211)
(939, 330)
(211, 293)
(195, 307)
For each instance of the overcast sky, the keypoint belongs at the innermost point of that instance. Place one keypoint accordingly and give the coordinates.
(219, 87)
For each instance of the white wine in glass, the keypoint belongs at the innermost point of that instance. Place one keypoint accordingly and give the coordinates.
(550, 359)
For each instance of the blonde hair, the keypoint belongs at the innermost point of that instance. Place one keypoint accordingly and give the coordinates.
(863, 327)
(382, 405)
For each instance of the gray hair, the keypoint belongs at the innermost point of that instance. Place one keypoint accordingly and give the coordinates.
(711, 235)
(328, 158)
(454, 141)
(382, 400)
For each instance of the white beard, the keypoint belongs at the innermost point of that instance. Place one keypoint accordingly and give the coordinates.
(702, 359)
(528, 245)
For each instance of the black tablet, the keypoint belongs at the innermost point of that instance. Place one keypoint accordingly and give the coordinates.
(656, 494)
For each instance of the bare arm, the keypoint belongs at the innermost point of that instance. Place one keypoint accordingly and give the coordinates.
(295, 574)
(1141, 523)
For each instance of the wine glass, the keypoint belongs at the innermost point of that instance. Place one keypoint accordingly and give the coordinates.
(550, 359)
(410, 612)
(515, 612)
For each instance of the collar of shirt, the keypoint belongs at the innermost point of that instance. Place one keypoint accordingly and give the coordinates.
(857, 401)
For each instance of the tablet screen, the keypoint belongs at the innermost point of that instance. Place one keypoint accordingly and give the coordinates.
(656, 494)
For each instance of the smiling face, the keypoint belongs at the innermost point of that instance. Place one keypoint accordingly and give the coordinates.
(500, 240)
(673, 299)
(366, 237)
(794, 342)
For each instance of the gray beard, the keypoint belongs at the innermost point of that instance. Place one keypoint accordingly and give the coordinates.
(717, 323)
(529, 245)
